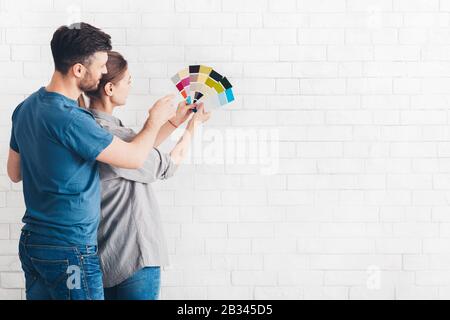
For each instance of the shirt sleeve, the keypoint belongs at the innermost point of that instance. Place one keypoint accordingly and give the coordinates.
(85, 137)
(157, 166)
(12, 142)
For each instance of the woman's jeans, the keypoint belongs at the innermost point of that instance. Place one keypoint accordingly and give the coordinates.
(56, 272)
(143, 285)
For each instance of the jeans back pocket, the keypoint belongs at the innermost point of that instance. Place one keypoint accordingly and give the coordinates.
(55, 275)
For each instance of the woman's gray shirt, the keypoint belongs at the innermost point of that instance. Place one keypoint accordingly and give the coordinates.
(130, 234)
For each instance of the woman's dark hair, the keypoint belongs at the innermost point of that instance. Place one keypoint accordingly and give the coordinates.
(76, 44)
(117, 66)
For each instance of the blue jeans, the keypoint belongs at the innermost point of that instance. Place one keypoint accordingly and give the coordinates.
(57, 272)
(143, 285)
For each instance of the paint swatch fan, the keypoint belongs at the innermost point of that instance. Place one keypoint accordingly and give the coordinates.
(203, 83)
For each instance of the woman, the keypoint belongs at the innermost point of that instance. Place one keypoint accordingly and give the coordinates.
(131, 243)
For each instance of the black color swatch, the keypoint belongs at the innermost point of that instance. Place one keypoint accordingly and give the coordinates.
(194, 69)
(216, 76)
(226, 84)
(198, 96)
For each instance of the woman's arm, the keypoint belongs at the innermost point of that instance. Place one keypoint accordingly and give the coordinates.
(165, 132)
(181, 149)
(184, 111)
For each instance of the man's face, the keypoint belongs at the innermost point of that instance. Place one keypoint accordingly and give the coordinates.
(95, 69)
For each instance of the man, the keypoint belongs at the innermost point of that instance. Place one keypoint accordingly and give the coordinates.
(54, 149)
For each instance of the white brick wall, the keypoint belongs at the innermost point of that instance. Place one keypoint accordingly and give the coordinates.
(357, 91)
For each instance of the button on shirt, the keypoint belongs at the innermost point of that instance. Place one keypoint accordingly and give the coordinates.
(130, 236)
(58, 143)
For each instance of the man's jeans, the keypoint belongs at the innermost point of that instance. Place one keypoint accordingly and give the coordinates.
(143, 285)
(55, 272)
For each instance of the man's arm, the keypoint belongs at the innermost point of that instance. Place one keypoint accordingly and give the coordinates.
(132, 155)
(14, 166)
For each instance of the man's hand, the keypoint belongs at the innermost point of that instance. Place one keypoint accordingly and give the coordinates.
(162, 111)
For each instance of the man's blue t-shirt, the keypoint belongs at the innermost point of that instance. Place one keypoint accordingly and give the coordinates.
(58, 143)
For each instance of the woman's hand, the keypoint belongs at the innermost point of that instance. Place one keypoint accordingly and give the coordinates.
(201, 116)
(184, 111)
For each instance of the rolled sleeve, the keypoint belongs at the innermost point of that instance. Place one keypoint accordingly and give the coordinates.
(157, 166)
(167, 167)
(13, 142)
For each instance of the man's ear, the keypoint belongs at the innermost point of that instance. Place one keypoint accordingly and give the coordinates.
(108, 88)
(78, 70)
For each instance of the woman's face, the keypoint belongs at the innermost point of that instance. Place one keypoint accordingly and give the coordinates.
(121, 90)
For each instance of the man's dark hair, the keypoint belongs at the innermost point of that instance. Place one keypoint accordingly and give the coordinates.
(76, 44)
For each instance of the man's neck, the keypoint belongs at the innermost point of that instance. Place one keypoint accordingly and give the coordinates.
(64, 86)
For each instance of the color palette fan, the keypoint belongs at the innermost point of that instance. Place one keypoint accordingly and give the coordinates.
(202, 82)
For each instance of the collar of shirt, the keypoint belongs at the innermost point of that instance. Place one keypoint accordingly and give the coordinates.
(48, 94)
(106, 117)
